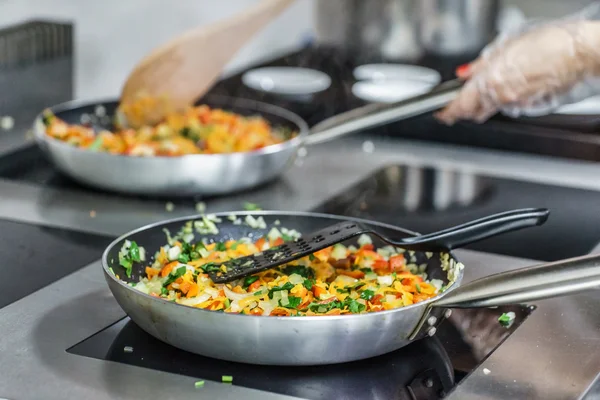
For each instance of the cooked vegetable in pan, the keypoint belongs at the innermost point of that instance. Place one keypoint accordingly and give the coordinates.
(200, 130)
(334, 281)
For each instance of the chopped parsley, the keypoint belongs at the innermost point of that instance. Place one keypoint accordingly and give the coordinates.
(312, 257)
(126, 259)
(249, 280)
(183, 258)
(293, 302)
(220, 246)
(164, 291)
(178, 273)
(303, 271)
(287, 286)
(367, 294)
(354, 306)
(210, 267)
(308, 284)
(418, 287)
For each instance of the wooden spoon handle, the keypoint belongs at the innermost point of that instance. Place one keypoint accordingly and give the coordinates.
(186, 67)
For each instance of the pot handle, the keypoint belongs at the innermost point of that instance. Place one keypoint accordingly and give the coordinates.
(373, 115)
(523, 285)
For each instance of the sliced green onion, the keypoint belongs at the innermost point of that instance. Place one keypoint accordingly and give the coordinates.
(227, 379)
(199, 384)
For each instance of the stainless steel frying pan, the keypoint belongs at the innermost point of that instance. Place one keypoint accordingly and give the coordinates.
(215, 174)
(327, 339)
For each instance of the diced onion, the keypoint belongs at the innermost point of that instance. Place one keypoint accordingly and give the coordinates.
(284, 298)
(344, 280)
(371, 276)
(194, 301)
(339, 252)
(231, 295)
(437, 284)
(390, 298)
(385, 280)
(296, 279)
(266, 306)
(174, 253)
(212, 291)
(364, 239)
(274, 234)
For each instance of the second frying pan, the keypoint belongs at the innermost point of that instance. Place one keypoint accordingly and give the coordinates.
(216, 174)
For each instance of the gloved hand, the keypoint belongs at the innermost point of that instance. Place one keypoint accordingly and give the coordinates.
(532, 71)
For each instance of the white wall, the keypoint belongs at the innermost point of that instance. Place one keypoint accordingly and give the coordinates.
(112, 35)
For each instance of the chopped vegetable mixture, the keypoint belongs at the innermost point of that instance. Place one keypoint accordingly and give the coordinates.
(200, 130)
(338, 280)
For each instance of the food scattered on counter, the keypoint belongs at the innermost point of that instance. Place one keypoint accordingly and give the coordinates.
(486, 371)
(201, 207)
(200, 130)
(128, 349)
(251, 206)
(169, 206)
(338, 280)
(7, 123)
(507, 319)
(199, 384)
(92, 213)
(227, 379)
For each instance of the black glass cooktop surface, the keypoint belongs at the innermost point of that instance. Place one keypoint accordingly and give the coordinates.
(427, 199)
(33, 257)
(427, 369)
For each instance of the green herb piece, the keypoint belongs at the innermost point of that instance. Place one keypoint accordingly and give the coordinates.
(210, 267)
(249, 280)
(164, 291)
(186, 132)
(47, 117)
(227, 379)
(227, 303)
(308, 284)
(199, 384)
(305, 272)
(311, 257)
(251, 206)
(234, 246)
(199, 245)
(354, 306)
(367, 294)
(288, 286)
(183, 258)
(178, 273)
(96, 144)
(506, 319)
(323, 308)
(293, 302)
(366, 270)
(220, 246)
(126, 263)
(194, 255)
(418, 287)
(286, 238)
(257, 293)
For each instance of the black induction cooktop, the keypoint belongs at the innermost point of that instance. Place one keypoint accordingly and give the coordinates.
(33, 257)
(429, 199)
(427, 369)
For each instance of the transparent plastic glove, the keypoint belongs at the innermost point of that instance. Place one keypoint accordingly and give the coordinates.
(532, 71)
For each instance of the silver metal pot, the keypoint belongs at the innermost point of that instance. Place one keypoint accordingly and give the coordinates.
(405, 29)
(454, 27)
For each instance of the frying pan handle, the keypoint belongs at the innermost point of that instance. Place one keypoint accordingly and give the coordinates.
(554, 279)
(480, 229)
(373, 115)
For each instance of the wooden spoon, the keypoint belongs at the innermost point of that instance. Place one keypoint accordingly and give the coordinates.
(174, 75)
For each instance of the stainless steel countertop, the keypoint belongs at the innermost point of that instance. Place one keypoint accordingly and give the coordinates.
(554, 355)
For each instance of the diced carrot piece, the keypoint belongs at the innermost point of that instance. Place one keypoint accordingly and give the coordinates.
(278, 242)
(318, 291)
(381, 266)
(256, 311)
(193, 292)
(254, 286)
(185, 287)
(356, 274)
(368, 247)
(151, 272)
(397, 263)
(376, 299)
(238, 289)
(260, 243)
(166, 270)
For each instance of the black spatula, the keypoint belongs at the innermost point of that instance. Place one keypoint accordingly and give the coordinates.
(444, 240)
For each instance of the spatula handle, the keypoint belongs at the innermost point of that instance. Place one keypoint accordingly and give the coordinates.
(477, 230)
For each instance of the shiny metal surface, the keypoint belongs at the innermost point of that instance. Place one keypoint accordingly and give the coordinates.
(546, 358)
(263, 339)
(456, 27)
(215, 174)
(378, 28)
(528, 284)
